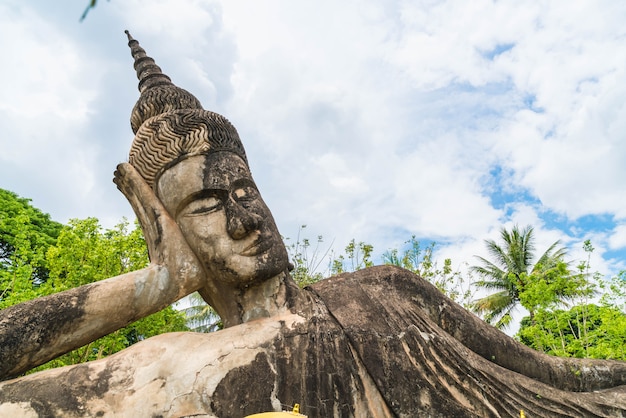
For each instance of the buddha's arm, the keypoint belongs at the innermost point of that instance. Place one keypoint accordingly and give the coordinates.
(37, 331)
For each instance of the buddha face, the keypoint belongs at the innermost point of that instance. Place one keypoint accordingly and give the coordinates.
(223, 218)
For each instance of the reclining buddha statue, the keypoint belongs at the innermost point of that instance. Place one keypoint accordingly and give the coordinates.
(380, 342)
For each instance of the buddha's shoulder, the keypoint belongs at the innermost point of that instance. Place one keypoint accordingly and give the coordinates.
(384, 297)
(373, 279)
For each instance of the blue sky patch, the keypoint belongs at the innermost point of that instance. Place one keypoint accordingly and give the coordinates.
(498, 50)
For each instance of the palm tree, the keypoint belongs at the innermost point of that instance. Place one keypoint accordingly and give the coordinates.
(200, 316)
(509, 273)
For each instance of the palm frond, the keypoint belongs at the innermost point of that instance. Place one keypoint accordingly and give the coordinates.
(551, 256)
(492, 284)
(201, 317)
(498, 254)
(495, 308)
(494, 304)
(488, 269)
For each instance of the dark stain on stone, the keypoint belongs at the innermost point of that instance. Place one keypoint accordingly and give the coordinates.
(159, 237)
(245, 390)
(292, 291)
(30, 326)
(316, 369)
(76, 387)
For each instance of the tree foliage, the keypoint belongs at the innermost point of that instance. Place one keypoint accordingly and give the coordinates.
(356, 256)
(582, 326)
(26, 233)
(313, 261)
(589, 331)
(201, 317)
(512, 271)
(309, 261)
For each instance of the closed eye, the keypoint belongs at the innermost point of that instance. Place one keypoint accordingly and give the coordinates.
(203, 206)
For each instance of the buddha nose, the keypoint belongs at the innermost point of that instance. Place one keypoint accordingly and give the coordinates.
(240, 221)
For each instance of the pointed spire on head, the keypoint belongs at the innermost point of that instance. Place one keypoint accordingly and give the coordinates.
(148, 73)
(158, 93)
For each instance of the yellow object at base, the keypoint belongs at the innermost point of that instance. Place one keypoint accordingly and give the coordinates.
(294, 413)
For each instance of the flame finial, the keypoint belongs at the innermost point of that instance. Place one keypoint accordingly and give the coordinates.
(148, 73)
(158, 93)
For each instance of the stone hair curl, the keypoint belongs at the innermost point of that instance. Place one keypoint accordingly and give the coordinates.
(166, 139)
(161, 99)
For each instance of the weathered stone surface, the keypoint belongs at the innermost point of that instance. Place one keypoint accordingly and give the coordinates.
(397, 323)
(375, 352)
(36, 331)
(254, 367)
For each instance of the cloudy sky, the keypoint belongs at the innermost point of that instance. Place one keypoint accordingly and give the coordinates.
(373, 120)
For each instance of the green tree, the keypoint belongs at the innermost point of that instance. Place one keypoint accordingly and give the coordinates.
(356, 256)
(307, 259)
(511, 271)
(313, 262)
(560, 332)
(84, 253)
(614, 291)
(26, 233)
(583, 329)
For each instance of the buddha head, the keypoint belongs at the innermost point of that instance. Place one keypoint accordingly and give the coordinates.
(196, 164)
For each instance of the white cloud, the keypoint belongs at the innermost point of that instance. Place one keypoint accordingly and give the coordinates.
(570, 154)
(617, 240)
(45, 105)
(370, 120)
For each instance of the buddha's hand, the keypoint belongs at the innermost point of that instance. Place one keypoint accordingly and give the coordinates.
(166, 244)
